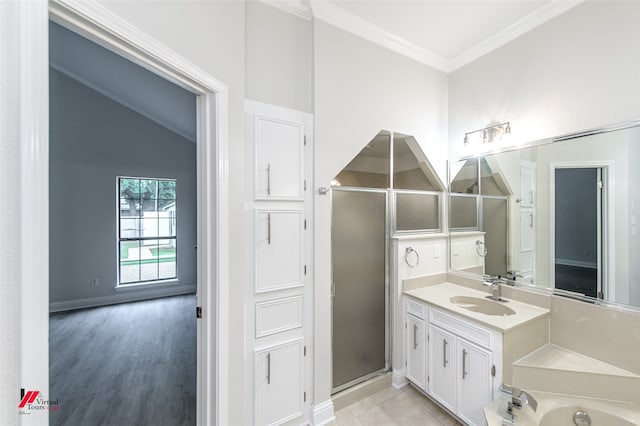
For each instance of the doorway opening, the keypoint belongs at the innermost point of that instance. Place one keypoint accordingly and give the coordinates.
(580, 200)
(211, 97)
(116, 239)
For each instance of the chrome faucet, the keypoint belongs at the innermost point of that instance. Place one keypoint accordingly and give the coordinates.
(496, 287)
(519, 399)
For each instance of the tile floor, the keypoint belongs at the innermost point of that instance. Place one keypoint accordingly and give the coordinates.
(394, 407)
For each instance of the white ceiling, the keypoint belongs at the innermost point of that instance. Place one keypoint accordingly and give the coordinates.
(444, 34)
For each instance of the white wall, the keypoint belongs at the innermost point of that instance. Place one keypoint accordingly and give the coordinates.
(579, 70)
(94, 139)
(279, 56)
(360, 89)
(211, 34)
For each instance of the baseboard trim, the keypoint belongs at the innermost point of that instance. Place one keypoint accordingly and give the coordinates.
(323, 413)
(399, 378)
(134, 296)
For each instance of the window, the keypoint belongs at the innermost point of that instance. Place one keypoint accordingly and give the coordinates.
(147, 238)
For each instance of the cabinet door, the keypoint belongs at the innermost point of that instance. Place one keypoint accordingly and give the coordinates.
(474, 381)
(279, 171)
(416, 352)
(279, 248)
(278, 383)
(442, 367)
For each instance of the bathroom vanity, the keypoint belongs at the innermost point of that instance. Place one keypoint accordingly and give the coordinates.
(460, 346)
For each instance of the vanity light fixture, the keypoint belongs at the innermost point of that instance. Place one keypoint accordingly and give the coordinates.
(489, 134)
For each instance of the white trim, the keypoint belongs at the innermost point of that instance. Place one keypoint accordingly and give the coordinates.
(354, 24)
(299, 8)
(351, 23)
(110, 31)
(323, 413)
(524, 25)
(24, 195)
(399, 378)
(120, 298)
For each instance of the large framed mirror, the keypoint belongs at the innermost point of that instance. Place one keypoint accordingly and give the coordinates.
(561, 213)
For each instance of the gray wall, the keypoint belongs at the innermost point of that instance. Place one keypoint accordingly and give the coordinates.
(94, 139)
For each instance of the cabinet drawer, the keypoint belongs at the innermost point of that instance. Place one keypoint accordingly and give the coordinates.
(276, 316)
(476, 334)
(416, 309)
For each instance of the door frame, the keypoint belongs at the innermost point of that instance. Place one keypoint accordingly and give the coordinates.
(606, 248)
(25, 61)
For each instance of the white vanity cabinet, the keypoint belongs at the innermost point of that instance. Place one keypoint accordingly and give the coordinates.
(416, 344)
(442, 367)
(462, 362)
(462, 367)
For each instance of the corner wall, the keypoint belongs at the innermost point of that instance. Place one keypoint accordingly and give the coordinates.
(94, 139)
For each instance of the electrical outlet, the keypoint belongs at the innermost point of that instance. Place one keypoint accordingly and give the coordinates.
(94, 282)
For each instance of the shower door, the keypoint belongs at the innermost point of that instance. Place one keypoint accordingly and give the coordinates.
(359, 244)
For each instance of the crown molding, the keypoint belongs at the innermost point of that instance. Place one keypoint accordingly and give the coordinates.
(526, 24)
(299, 8)
(353, 24)
(338, 17)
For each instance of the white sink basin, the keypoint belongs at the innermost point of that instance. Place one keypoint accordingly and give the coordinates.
(481, 305)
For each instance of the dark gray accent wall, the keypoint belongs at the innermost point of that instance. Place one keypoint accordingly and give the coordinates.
(92, 141)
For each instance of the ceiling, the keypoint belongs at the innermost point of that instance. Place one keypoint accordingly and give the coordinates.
(123, 81)
(444, 34)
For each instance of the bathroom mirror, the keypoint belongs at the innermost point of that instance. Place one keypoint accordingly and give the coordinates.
(560, 213)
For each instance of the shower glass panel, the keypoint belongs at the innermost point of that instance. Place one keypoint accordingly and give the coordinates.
(463, 212)
(358, 238)
(417, 211)
(494, 224)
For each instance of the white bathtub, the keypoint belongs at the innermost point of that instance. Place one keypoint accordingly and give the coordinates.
(558, 410)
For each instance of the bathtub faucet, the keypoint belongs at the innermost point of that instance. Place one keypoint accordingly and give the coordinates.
(519, 398)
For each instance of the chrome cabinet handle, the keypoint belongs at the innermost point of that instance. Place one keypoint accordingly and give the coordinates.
(464, 364)
(530, 220)
(444, 352)
(269, 179)
(415, 337)
(268, 228)
(269, 368)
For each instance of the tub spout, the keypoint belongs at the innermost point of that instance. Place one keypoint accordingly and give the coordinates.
(519, 398)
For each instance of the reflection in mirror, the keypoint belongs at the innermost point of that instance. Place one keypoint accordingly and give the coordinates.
(559, 214)
(478, 212)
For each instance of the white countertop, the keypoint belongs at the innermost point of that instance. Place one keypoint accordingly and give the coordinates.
(440, 296)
